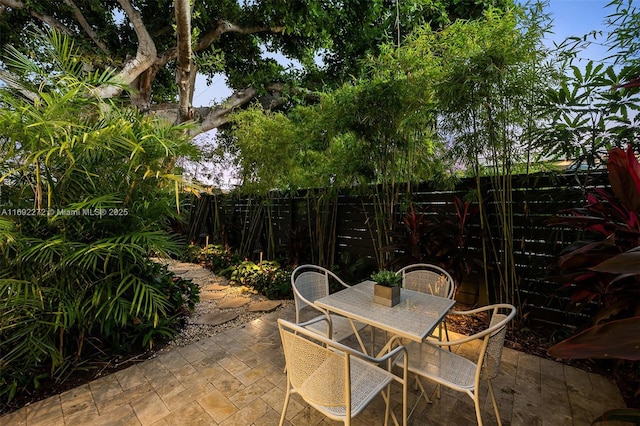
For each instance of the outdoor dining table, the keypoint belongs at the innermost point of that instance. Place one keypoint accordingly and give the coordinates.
(414, 317)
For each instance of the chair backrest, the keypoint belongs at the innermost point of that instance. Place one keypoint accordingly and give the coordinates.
(310, 283)
(491, 352)
(427, 278)
(308, 362)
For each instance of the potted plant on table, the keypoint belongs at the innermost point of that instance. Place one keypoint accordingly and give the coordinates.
(387, 287)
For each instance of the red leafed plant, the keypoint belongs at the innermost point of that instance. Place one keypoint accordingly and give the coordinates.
(441, 238)
(606, 270)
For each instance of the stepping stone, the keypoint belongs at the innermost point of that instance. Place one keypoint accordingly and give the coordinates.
(215, 287)
(235, 302)
(212, 296)
(181, 265)
(178, 271)
(201, 273)
(216, 318)
(218, 279)
(264, 306)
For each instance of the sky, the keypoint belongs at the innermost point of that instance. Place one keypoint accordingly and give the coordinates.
(570, 18)
(577, 18)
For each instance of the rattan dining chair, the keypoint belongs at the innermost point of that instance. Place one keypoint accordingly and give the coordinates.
(431, 279)
(335, 379)
(430, 361)
(310, 283)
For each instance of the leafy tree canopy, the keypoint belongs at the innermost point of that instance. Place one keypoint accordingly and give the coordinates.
(158, 47)
(473, 87)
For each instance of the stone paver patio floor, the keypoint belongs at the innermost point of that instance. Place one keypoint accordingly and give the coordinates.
(236, 378)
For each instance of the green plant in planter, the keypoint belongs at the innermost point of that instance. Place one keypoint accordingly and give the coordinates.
(387, 278)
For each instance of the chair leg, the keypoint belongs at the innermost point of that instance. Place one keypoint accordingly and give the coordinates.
(495, 403)
(404, 400)
(387, 409)
(286, 404)
(476, 402)
(446, 332)
(423, 393)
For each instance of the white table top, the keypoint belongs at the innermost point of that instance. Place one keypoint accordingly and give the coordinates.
(414, 317)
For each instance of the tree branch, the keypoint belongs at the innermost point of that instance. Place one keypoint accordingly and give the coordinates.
(13, 4)
(49, 20)
(86, 27)
(13, 82)
(213, 117)
(217, 116)
(145, 55)
(225, 27)
(206, 40)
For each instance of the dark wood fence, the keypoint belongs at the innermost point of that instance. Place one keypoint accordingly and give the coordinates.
(245, 223)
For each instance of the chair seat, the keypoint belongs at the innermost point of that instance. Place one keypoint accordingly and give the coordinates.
(367, 380)
(441, 366)
(341, 327)
(335, 379)
(429, 360)
(310, 283)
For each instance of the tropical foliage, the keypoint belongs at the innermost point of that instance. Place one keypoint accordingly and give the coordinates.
(389, 126)
(158, 48)
(489, 97)
(218, 258)
(86, 188)
(595, 108)
(267, 277)
(604, 270)
(598, 110)
(355, 135)
(588, 118)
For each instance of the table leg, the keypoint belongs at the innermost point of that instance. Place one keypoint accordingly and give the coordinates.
(357, 333)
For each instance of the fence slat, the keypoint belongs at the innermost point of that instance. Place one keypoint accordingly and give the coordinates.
(535, 198)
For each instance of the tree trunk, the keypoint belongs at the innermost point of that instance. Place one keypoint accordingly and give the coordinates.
(185, 74)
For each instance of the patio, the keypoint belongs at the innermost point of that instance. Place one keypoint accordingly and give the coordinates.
(236, 378)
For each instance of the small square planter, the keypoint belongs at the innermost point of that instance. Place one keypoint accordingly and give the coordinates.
(387, 296)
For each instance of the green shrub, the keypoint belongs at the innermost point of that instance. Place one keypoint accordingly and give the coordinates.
(220, 260)
(192, 254)
(267, 278)
(182, 296)
(76, 283)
